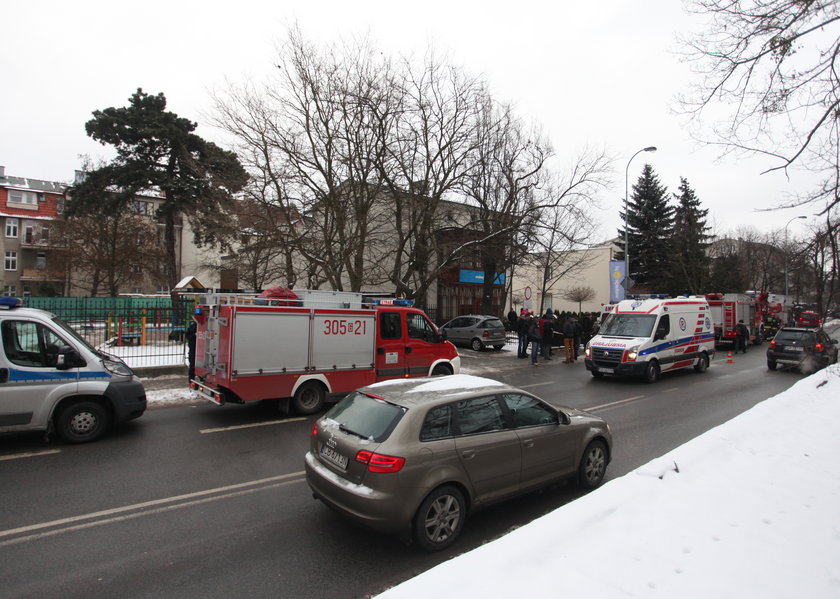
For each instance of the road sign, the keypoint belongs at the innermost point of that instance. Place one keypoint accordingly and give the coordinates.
(628, 283)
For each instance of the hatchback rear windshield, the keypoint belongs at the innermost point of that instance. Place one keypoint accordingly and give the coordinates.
(365, 416)
(492, 323)
(801, 337)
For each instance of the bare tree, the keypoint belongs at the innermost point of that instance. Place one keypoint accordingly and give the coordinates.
(774, 65)
(579, 294)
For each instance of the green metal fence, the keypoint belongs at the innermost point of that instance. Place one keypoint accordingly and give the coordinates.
(146, 332)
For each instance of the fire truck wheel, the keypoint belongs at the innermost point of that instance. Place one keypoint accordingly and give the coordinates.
(702, 363)
(652, 371)
(309, 398)
(441, 370)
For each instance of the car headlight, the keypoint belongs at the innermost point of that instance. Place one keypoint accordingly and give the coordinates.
(632, 353)
(588, 351)
(117, 367)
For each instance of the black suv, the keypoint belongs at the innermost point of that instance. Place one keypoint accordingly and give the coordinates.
(808, 349)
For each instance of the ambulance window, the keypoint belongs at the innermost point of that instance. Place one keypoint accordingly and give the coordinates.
(664, 327)
(389, 325)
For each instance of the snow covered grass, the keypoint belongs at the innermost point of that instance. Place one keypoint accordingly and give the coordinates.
(749, 509)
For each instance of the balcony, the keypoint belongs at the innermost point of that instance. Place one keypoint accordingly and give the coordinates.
(41, 274)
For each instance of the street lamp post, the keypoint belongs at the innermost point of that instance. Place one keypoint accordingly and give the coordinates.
(786, 254)
(626, 212)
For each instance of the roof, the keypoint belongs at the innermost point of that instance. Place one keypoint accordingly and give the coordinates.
(438, 389)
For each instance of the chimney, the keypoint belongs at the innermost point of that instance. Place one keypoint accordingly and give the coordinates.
(2, 172)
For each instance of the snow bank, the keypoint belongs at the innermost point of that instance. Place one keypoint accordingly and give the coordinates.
(749, 509)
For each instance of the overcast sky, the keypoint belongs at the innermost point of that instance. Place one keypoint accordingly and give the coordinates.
(592, 74)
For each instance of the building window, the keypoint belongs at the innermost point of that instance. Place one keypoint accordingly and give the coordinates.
(9, 290)
(41, 260)
(11, 261)
(11, 227)
(142, 208)
(28, 235)
(23, 197)
(27, 291)
(59, 205)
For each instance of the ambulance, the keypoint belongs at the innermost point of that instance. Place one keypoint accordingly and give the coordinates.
(645, 336)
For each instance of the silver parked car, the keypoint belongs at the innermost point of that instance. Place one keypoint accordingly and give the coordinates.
(416, 456)
(476, 331)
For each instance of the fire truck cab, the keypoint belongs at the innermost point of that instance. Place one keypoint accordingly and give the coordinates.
(310, 344)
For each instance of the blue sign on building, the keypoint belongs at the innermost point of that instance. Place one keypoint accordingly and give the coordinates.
(477, 276)
(616, 277)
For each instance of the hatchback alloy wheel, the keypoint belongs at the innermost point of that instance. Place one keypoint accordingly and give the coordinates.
(440, 518)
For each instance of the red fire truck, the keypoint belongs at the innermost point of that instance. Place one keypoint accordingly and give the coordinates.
(727, 309)
(309, 344)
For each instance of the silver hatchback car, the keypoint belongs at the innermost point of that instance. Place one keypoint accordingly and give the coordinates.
(416, 455)
(476, 331)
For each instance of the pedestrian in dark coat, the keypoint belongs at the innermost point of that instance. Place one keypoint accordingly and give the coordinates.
(547, 333)
(578, 334)
(522, 335)
(511, 316)
(534, 337)
(742, 334)
(569, 340)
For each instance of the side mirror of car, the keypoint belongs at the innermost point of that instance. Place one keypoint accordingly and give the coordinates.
(68, 358)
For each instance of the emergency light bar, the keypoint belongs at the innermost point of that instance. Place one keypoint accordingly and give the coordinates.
(393, 302)
(7, 303)
(649, 296)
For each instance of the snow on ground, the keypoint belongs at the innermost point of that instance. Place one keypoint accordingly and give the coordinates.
(749, 509)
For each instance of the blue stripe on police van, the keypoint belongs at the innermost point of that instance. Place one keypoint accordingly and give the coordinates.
(22, 376)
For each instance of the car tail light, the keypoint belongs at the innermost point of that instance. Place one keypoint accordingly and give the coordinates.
(485, 334)
(315, 430)
(773, 344)
(819, 347)
(376, 462)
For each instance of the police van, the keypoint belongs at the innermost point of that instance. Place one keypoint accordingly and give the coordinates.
(645, 336)
(53, 380)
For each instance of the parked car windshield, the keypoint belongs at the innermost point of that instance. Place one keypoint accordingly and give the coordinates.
(800, 337)
(628, 325)
(366, 417)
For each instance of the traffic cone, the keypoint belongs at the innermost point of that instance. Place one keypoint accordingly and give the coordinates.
(729, 359)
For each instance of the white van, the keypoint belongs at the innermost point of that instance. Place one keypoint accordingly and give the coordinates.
(52, 380)
(647, 336)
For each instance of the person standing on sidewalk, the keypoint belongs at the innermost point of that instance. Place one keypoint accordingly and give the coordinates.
(569, 340)
(534, 338)
(547, 333)
(522, 335)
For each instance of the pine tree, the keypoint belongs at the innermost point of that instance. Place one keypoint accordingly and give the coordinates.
(157, 149)
(650, 222)
(690, 260)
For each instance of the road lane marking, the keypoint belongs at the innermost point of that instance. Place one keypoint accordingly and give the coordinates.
(204, 431)
(537, 384)
(615, 403)
(671, 389)
(30, 454)
(186, 499)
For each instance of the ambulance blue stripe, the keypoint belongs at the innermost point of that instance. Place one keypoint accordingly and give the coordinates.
(682, 341)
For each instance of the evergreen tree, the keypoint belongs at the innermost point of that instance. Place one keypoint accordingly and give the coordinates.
(157, 149)
(690, 260)
(650, 222)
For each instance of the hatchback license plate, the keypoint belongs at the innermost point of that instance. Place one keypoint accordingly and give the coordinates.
(793, 348)
(334, 457)
(606, 370)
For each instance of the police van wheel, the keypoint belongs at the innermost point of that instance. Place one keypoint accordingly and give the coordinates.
(82, 421)
(702, 363)
(652, 371)
(309, 398)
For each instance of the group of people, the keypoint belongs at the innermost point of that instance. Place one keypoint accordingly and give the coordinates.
(538, 333)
